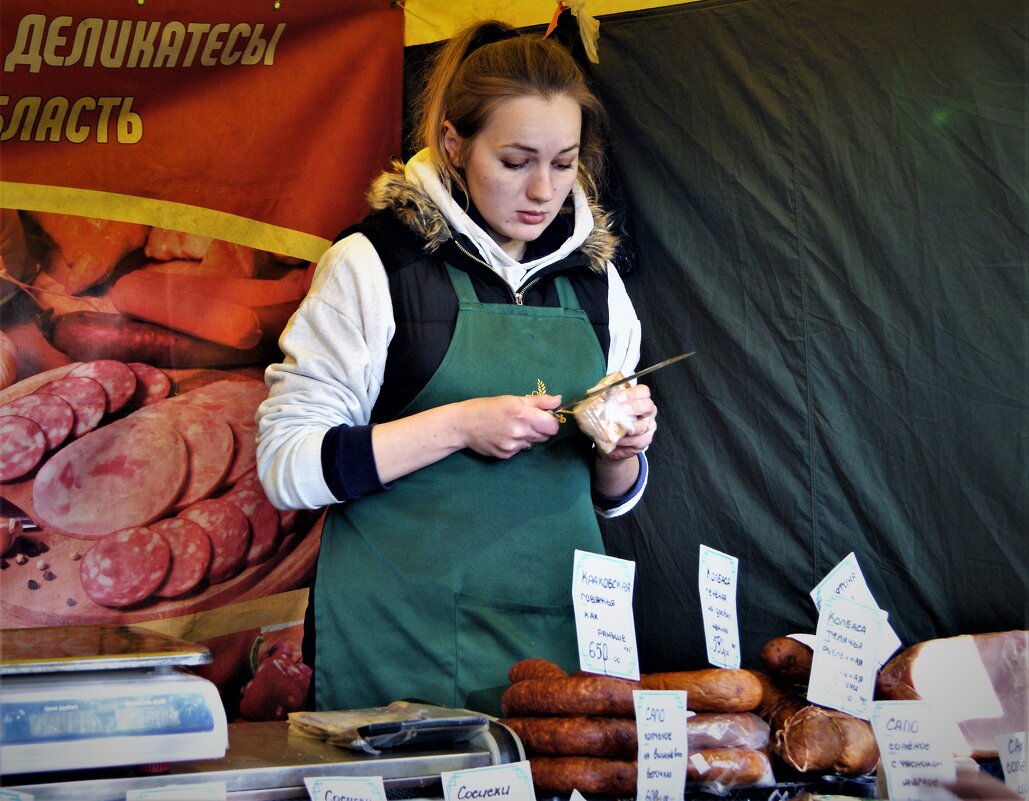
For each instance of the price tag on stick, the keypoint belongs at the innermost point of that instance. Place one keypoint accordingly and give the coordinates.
(844, 661)
(512, 782)
(602, 599)
(661, 748)
(915, 757)
(1013, 750)
(353, 788)
(717, 582)
(846, 579)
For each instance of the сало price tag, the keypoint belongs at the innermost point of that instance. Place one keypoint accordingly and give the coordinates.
(661, 744)
(1013, 752)
(602, 599)
(914, 751)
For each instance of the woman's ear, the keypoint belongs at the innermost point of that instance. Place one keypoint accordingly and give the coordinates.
(452, 141)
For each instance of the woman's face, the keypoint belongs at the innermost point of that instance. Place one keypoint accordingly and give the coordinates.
(521, 166)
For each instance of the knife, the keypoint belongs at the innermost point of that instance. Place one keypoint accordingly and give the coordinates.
(569, 407)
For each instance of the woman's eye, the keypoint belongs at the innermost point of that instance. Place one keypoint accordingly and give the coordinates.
(513, 165)
(569, 166)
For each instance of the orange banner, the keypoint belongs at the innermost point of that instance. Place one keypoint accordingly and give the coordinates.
(168, 178)
(278, 111)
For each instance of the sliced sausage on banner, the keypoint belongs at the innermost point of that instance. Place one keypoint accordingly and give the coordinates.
(229, 531)
(53, 413)
(264, 522)
(117, 379)
(87, 399)
(22, 445)
(209, 443)
(128, 473)
(236, 403)
(190, 555)
(125, 567)
(152, 384)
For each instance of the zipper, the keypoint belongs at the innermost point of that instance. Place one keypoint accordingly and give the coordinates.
(517, 297)
(520, 294)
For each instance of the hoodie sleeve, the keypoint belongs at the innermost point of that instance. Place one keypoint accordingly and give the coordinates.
(624, 355)
(624, 326)
(311, 449)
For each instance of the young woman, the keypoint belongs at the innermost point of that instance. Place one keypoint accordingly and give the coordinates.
(421, 375)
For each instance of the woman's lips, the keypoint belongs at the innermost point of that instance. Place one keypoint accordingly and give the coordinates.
(531, 217)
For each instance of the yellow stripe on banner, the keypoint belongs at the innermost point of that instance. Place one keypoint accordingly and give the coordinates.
(267, 613)
(163, 214)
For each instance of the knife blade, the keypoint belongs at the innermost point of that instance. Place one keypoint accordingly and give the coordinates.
(568, 408)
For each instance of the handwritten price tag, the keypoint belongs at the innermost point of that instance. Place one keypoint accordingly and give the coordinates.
(1013, 761)
(512, 782)
(844, 661)
(602, 598)
(662, 748)
(915, 757)
(717, 581)
(352, 788)
(846, 579)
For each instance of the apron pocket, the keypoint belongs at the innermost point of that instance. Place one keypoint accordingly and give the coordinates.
(493, 634)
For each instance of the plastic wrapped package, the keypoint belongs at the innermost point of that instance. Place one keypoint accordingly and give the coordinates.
(721, 770)
(726, 730)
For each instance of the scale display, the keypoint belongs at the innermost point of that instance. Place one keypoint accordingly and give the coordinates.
(104, 696)
(47, 721)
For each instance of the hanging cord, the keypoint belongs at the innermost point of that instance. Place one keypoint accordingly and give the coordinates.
(589, 27)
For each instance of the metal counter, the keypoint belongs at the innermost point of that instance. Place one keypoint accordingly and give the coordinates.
(265, 762)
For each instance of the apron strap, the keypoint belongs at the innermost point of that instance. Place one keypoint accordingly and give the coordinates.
(462, 283)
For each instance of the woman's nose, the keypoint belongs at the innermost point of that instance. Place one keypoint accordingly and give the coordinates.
(541, 185)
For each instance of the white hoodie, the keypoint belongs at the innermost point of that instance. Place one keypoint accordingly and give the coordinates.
(335, 346)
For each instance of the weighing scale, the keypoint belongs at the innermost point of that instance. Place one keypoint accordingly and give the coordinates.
(83, 697)
(94, 713)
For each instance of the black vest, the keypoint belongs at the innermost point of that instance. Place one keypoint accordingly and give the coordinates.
(425, 305)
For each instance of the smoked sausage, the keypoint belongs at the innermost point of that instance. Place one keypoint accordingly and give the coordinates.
(587, 694)
(576, 735)
(560, 775)
(534, 668)
(710, 689)
(788, 660)
(816, 739)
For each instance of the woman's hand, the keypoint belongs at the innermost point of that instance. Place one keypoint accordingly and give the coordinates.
(618, 470)
(637, 402)
(504, 425)
(499, 426)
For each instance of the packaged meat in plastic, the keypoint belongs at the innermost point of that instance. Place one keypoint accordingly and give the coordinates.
(602, 417)
(977, 681)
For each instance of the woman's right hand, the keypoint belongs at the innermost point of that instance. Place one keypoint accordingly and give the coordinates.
(504, 425)
(498, 427)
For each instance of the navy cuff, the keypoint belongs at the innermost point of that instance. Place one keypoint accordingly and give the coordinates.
(606, 502)
(349, 463)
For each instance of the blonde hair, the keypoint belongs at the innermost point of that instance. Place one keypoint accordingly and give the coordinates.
(489, 63)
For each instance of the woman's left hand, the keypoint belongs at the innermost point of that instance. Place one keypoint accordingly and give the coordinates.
(637, 402)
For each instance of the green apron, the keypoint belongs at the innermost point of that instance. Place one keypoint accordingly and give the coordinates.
(433, 589)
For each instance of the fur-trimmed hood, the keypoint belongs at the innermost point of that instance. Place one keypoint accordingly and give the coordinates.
(419, 199)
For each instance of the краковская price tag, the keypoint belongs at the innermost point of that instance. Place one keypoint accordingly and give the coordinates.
(602, 600)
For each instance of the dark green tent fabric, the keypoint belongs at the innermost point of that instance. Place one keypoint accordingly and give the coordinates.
(828, 200)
